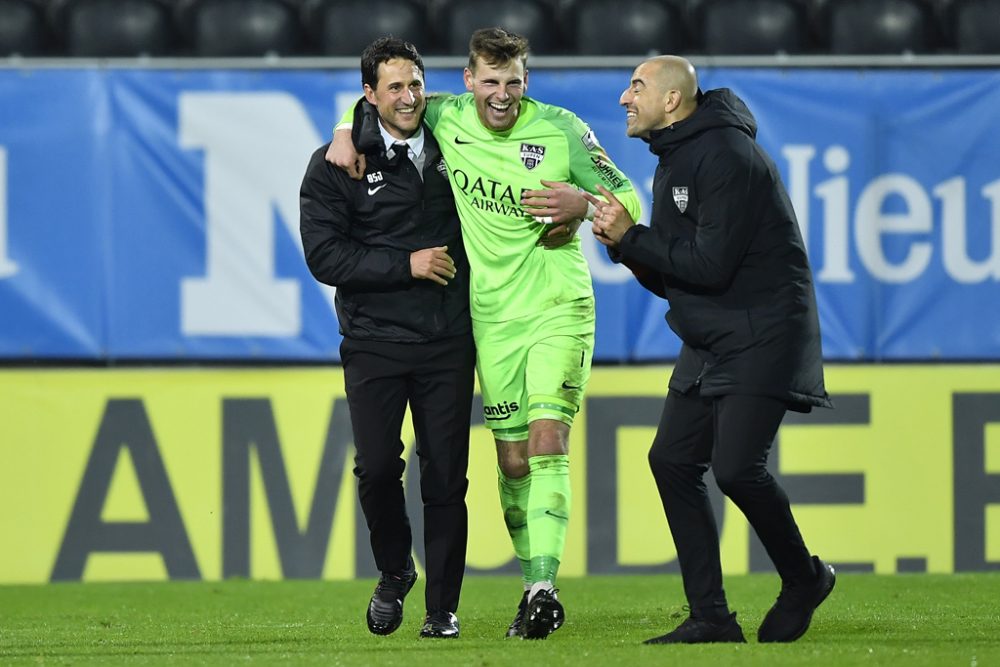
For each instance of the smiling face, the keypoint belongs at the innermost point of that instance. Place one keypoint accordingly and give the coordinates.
(645, 102)
(399, 96)
(497, 90)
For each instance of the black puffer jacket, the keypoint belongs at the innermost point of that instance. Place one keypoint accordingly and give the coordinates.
(358, 236)
(724, 249)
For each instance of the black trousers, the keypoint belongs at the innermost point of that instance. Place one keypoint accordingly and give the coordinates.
(436, 379)
(732, 435)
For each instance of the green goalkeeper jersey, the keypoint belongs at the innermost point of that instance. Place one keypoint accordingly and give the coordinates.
(511, 275)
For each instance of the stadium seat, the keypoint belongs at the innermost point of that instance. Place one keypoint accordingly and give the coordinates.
(22, 28)
(641, 27)
(975, 26)
(346, 27)
(753, 27)
(224, 28)
(110, 28)
(879, 26)
(532, 18)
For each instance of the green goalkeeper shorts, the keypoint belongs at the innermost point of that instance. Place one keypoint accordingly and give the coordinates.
(534, 367)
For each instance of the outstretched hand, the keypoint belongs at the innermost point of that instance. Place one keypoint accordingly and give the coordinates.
(343, 155)
(611, 220)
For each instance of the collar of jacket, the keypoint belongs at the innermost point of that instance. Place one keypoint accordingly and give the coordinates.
(717, 108)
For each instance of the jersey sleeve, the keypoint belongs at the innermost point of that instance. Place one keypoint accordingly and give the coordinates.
(590, 166)
(347, 120)
(435, 105)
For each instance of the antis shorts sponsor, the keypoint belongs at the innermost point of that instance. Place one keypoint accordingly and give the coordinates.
(500, 411)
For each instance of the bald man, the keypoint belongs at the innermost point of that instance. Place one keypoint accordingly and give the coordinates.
(724, 249)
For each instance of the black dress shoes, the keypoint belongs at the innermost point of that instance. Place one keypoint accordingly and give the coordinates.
(385, 610)
(698, 630)
(791, 614)
(440, 624)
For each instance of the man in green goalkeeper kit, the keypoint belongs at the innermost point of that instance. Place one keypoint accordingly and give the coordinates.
(515, 166)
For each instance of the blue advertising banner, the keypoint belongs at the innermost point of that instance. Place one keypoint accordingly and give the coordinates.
(153, 214)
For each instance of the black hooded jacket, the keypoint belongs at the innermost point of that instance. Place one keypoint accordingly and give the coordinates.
(358, 236)
(724, 248)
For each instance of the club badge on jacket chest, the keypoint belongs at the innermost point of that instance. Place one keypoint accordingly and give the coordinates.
(674, 198)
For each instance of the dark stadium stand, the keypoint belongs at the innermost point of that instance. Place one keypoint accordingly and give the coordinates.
(23, 29)
(753, 27)
(634, 27)
(457, 19)
(241, 27)
(345, 27)
(253, 28)
(110, 28)
(975, 25)
(879, 26)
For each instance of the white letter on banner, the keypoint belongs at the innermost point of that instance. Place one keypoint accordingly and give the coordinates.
(834, 192)
(256, 148)
(7, 266)
(870, 224)
(954, 231)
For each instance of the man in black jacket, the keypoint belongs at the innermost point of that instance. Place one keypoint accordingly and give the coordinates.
(724, 248)
(391, 244)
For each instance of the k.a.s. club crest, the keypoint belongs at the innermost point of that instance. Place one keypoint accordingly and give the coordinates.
(681, 197)
(532, 155)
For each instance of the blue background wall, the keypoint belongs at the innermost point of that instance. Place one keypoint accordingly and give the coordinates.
(153, 214)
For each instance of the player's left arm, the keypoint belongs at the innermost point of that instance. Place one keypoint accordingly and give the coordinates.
(588, 166)
(591, 166)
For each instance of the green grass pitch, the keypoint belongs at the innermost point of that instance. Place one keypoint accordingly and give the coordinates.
(868, 620)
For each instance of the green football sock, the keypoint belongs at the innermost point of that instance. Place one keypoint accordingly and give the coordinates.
(514, 503)
(548, 514)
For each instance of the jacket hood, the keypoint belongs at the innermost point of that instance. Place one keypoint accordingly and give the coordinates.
(365, 132)
(717, 108)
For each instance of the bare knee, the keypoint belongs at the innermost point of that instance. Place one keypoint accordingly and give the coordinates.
(548, 437)
(512, 458)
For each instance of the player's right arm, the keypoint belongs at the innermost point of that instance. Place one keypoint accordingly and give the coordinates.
(344, 155)
(341, 152)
